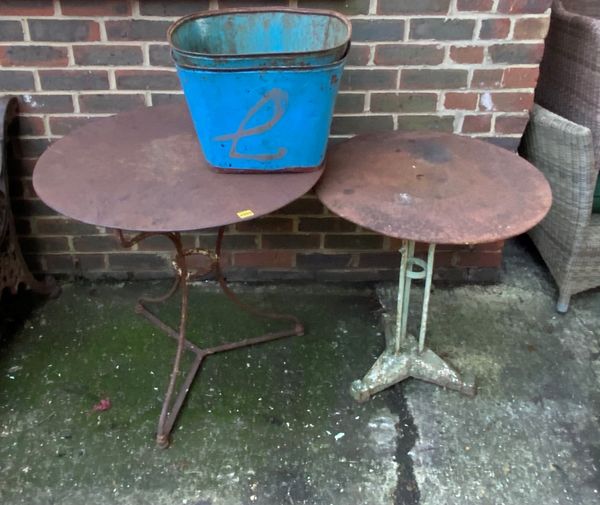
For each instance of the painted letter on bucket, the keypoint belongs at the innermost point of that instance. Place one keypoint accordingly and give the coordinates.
(278, 98)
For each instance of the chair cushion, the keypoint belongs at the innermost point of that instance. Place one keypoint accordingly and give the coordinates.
(596, 204)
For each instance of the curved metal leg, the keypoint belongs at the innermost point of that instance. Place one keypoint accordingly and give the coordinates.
(406, 356)
(172, 406)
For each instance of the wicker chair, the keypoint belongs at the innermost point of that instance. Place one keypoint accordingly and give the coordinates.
(563, 140)
(569, 237)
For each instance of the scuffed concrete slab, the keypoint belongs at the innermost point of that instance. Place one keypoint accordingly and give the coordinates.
(275, 424)
(532, 434)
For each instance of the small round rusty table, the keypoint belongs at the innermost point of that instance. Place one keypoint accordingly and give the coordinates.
(144, 171)
(434, 188)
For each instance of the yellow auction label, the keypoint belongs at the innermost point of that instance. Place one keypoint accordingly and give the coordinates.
(244, 214)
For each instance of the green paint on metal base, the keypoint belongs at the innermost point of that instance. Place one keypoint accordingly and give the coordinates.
(405, 356)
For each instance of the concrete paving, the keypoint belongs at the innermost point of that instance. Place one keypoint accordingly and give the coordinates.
(274, 424)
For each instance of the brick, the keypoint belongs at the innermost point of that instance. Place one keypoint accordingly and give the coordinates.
(350, 102)
(531, 28)
(34, 262)
(509, 143)
(320, 261)
(96, 8)
(408, 54)
(62, 226)
(385, 259)
(496, 246)
(63, 30)
(520, 77)
(62, 125)
(325, 224)
(295, 241)
(354, 242)
(110, 102)
(512, 101)
(69, 263)
(73, 79)
(494, 28)
(464, 101)
(16, 80)
(165, 8)
(167, 98)
(230, 241)
(367, 30)
(369, 79)
(467, 54)
(477, 259)
(162, 243)
(31, 56)
(523, 6)
(11, 31)
(147, 79)
(266, 224)
(31, 207)
(487, 78)
(46, 103)
(95, 243)
(32, 148)
(130, 261)
(20, 188)
(511, 124)
(26, 8)
(433, 78)
(137, 29)
(272, 259)
(345, 125)
(47, 244)
(303, 206)
(475, 5)
(441, 29)
(160, 55)
(108, 55)
(22, 168)
(403, 102)
(516, 53)
(477, 124)
(348, 7)
(56, 263)
(226, 4)
(31, 125)
(402, 7)
(358, 55)
(415, 123)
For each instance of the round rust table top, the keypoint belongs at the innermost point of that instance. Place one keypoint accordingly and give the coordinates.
(433, 187)
(144, 171)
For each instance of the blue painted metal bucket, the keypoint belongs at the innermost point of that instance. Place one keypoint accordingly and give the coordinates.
(262, 112)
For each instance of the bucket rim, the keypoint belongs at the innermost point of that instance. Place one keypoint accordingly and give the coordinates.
(339, 62)
(259, 10)
(190, 66)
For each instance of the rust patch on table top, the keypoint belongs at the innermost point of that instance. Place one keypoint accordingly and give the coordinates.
(433, 187)
(144, 171)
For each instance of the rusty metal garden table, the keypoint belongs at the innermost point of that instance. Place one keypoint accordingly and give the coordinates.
(438, 189)
(144, 171)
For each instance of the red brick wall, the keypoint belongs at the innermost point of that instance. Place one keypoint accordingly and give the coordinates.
(464, 66)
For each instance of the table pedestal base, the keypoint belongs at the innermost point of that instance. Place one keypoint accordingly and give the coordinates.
(172, 406)
(391, 368)
(406, 356)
